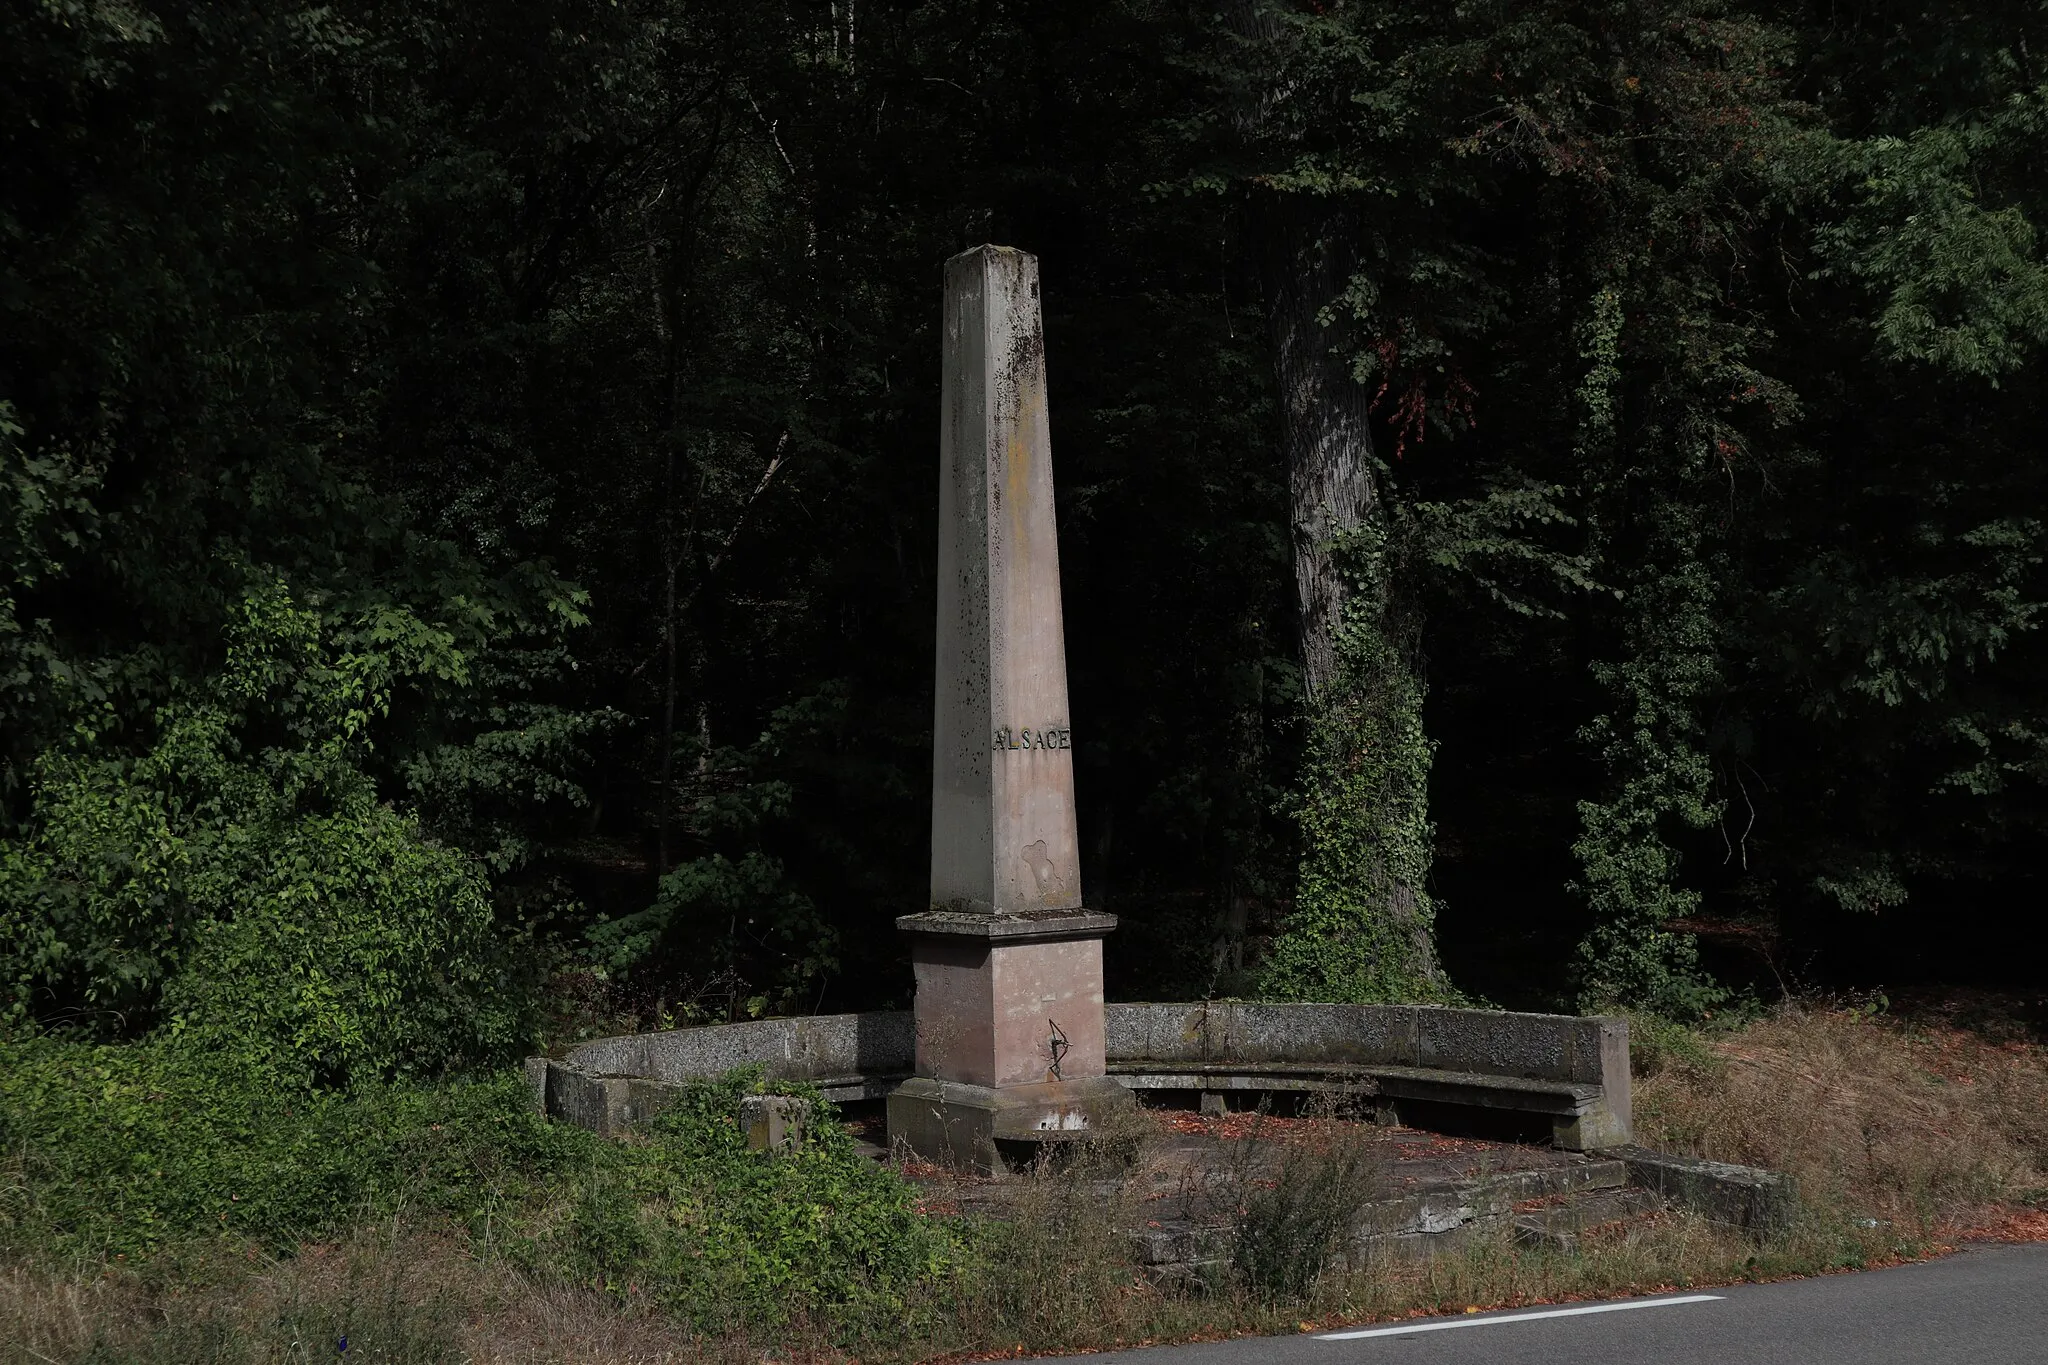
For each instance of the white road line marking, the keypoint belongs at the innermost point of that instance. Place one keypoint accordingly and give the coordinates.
(1446, 1324)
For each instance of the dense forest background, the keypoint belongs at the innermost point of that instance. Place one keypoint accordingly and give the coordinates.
(469, 491)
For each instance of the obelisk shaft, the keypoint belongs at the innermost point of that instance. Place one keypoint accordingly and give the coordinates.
(1003, 836)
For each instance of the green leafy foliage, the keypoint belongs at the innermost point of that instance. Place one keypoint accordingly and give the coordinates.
(1963, 288)
(1362, 925)
(593, 348)
(1631, 867)
(46, 518)
(124, 1149)
(134, 1150)
(239, 881)
(726, 1236)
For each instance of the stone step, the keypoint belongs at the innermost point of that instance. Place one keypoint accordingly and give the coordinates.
(1440, 1210)
(1182, 1242)
(1557, 1227)
(1413, 1226)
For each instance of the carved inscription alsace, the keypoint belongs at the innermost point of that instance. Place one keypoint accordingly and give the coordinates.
(1057, 737)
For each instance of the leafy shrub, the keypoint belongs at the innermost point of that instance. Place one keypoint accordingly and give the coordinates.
(130, 1149)
(122, 1148)
(239, 879)
(360, 947)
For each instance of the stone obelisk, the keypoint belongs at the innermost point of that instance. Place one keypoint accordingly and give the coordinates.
(1008, 962)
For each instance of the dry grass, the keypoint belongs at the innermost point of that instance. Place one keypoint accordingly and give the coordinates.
(401, 1296)
(1912, 1120)
(415, 1298)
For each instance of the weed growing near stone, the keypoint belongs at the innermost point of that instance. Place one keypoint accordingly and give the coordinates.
(144, 1159)
(1291, 1229)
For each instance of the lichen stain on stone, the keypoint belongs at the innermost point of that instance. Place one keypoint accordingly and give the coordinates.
(1043, 874)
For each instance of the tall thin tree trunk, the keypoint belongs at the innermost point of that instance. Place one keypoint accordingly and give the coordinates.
(665, 781)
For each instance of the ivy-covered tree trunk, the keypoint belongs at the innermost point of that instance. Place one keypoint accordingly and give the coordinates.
(1362, 923)
(1362, 927)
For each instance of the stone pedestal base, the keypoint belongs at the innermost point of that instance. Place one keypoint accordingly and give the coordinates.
(1008, 1000)
(960, 1125)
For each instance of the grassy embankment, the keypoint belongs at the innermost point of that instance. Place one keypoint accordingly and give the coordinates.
(154, 1211)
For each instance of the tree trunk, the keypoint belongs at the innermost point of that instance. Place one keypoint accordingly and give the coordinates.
(1306, 253)
(1305, 260)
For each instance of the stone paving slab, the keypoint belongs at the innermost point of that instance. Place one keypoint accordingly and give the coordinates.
(1190, 1165)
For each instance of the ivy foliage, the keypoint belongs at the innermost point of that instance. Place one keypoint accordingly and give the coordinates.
(1362, 927)
(130, 1149)
(721, 1234)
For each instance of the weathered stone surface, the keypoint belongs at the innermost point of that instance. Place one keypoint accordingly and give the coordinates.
(975, 1038)
(1531, 1045)
(642, 1099)
(1434, 1211)
(1758, 1201)
(1009, 1012)
(1593, 1128)
(945, 1122)
(1003, 833)
(583, 1099)
(535, 1070)
(1048, 1011)
(818, 1048)
(1490, 1090)
(1270, 1077)
(1557, 1228)
(959, 1125)
(1008, 964)
(1163, 1033)
(1049, 924)
(1303, 1033)
(1181, 1242)
(1431, 1221)
(1576, 1068)
(773, 1123)
(1588, 1050)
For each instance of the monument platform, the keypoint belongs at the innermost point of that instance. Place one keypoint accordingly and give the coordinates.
(1199, 1068)
(985, 1130)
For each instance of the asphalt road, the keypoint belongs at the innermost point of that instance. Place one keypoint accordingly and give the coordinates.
(1985, 1305)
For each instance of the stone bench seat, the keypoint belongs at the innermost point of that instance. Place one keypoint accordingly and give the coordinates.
(1571, 1069)
(1488, 1091)
(1397, 1082)
(841, 1089)
(1579, 1112)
